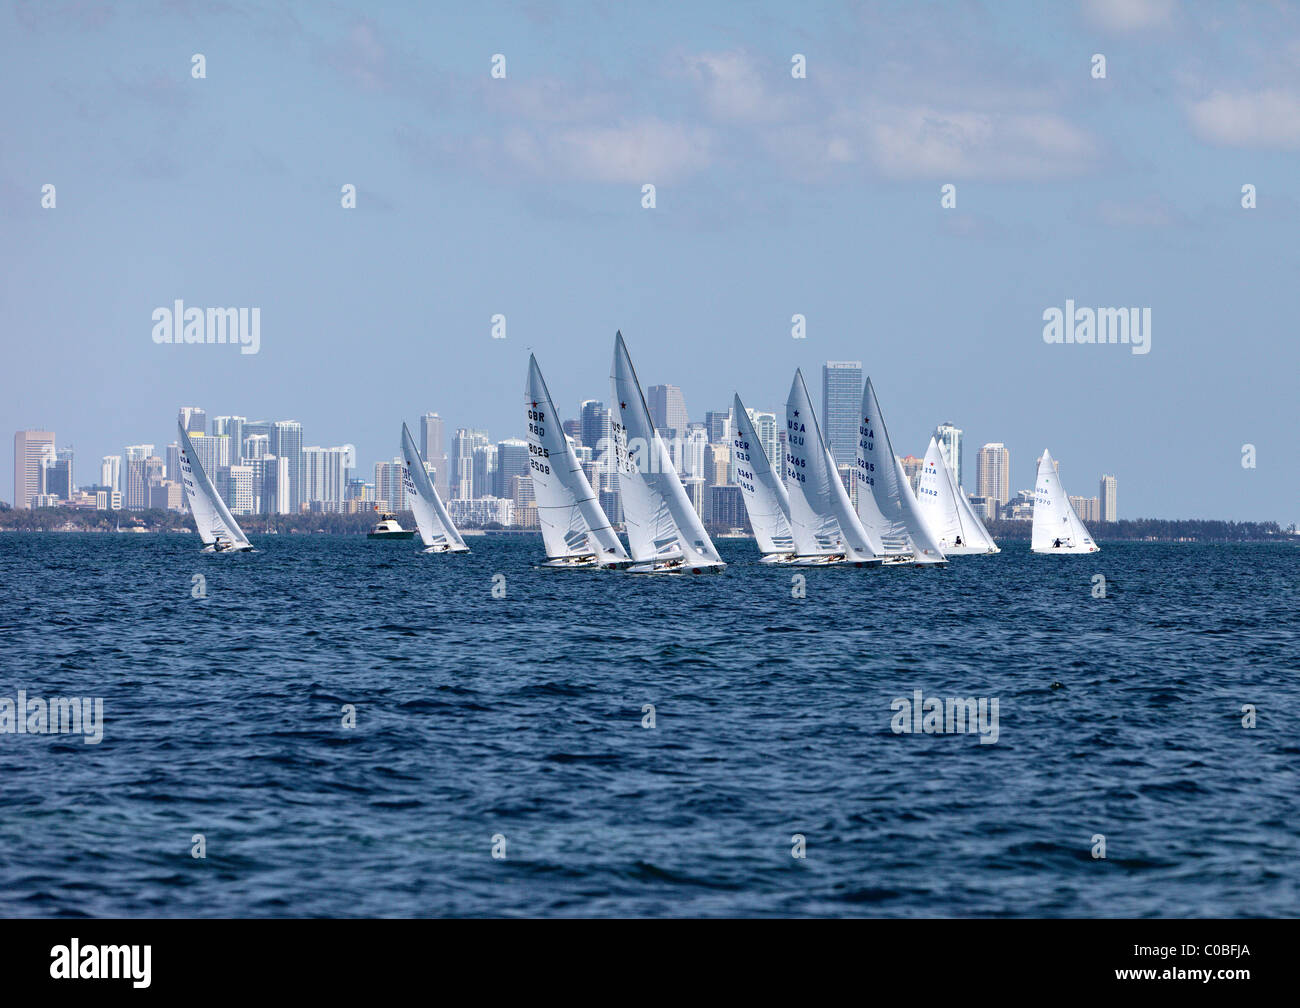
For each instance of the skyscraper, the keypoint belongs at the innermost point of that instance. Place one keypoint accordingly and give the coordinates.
(667, 409)
(325, 475)
(993, 473)
(483, 482)
(597, 430)
(389, 484)
(194, 420)
(110, 472)
(461, 462)
(718, 425)
(841, 401)
(432, 448)
(58, 475)
(1109, 496)
(513, 459)
(949, 436)
(31, 450)
(233, 427)
(286, 443)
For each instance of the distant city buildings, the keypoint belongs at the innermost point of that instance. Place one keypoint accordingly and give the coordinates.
(1108, 493)
(949, 436)
(841, 403)
(31, 450)
(993, 474)
(667, 410)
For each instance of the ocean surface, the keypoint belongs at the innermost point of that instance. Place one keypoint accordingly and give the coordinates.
(521, 719)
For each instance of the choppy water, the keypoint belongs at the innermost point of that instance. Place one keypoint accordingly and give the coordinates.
(522, 717)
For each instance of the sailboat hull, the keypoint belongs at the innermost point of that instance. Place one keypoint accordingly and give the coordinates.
(968, 550)
(445, 549)
(675, 570)
(229, 549)
(834, 560)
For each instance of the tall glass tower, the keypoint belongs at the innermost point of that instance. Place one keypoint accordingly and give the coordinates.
(841, 401)
(949, 435)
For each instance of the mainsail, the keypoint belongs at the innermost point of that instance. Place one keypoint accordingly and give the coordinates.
(662, 526)
(822, 519)
(1057, 528)
(435, 525)
(945, 509)
(766, 501)
(215, 524)
(573, 523)
(886, 504)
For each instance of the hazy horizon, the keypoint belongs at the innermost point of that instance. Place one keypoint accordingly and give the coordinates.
(775, 196)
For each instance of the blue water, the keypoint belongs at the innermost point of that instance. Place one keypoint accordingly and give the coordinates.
(522, 716)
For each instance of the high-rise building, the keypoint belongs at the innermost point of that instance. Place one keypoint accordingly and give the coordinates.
(110, 472)
(483, 481)
(325, 474)
(718, 426)
(693, 455)
(573, 431)
(433, 449)
(256, 446)
(286, 443)
(841, 402)
(598, 431)
(213, 452)
(32, 448)
(135, 481)
(1109, 495)
(912, 467)
(232, 427)
(58, 481)
(667, 409)
(461, 462)
(513, 459)
(993, 473)
(275, 484)
(1087, 508)
(390, 484)
(194, 420)
(949, 436)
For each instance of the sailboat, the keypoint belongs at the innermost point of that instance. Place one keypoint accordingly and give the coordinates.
(665, 534)
(1057, 528)
(766, 501)
(437, 532)
(946, 509)
(886, 504)
(574, 526)
(825, 528)
(215, 524)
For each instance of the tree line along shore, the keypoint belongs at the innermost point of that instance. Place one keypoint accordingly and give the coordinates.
(157, 520)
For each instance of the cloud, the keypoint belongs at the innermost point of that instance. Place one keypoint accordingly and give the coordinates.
(733, 88)
(928, 142)
(647, 150)
(362, 56)
(1128, 15)
(1257, 119)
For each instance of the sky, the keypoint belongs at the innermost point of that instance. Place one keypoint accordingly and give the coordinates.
(774, 196)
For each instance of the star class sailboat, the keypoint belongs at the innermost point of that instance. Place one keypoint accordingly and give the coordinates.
(766, 500)
(825, 528)
(1057, 528)
(886, 505)
(575, 529)
(215, 524)
(437, 532)
(946, 509)
(664, 532)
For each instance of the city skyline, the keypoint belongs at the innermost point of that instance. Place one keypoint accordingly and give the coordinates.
(256, 480)
(795, 219)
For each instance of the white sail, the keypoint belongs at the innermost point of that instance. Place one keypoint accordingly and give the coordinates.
(822, 518)
(1057, 528)
(215, 524)
(662, 526)
(437, 532)
(945, 509)
(766, 502)
(573, 523)
(886, 504)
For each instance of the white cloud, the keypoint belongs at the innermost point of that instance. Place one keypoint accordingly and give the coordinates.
(647, 150)
(1128, 15)
(1268, 119)
(934, 143)
(732, 87)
